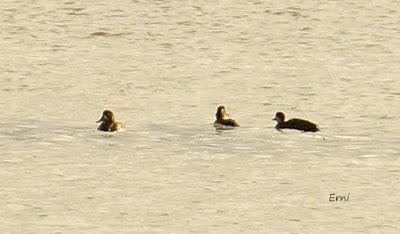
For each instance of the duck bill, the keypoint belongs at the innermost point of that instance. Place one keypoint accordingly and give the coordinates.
(274, 118)
(100, 120)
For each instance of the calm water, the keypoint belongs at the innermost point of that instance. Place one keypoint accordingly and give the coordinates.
(164, 67)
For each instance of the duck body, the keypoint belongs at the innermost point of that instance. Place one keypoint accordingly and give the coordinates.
(298, 124)
(109, 123)
(111, 127)
(222, 118)
(227, 122)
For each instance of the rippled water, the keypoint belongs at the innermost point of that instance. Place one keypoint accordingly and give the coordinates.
(164, 67)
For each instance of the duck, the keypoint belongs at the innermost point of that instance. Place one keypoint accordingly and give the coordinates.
(109, 123)
(222, 118)
(298, 124)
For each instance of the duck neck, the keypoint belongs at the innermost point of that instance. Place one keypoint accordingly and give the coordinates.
(104, 126)
(219, 116)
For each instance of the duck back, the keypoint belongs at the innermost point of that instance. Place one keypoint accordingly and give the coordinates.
(117, 126)
(228, 122)
(299, 124)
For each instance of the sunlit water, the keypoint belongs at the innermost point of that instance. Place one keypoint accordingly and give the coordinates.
(163, 67)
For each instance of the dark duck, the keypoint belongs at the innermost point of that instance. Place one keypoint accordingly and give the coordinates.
(109, 123)
(298, 124)
(223, 118)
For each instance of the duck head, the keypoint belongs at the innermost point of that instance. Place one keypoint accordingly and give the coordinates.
(279, 117)
(221, 112)
(107, 117)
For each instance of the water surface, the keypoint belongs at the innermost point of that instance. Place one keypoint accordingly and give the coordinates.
(164, 67)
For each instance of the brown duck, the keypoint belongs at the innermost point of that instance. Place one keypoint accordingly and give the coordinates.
(222, 118)
(109, 123)
(298, 124)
